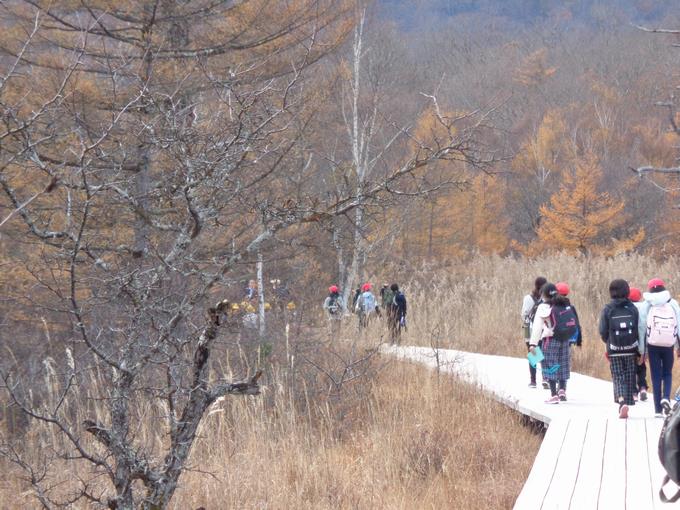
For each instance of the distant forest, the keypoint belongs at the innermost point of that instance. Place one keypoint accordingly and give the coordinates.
(415, 13)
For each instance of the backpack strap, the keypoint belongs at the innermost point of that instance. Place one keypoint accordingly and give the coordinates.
(662, 494)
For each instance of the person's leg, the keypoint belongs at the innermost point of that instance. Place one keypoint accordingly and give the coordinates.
(641, 375)
(655, 368)
(617, 379)
(563, 384)
(553, 388)
(666, 372)
(532, 370)
(630, 388)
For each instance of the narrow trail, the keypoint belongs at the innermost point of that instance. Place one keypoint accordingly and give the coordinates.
(589, 457)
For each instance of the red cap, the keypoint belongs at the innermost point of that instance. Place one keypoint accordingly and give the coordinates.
(635, 294)
(562, 288)
(333, 289)
(366, 286)
(655, 282)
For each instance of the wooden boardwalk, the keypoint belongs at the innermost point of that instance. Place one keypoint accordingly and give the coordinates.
(589, 459)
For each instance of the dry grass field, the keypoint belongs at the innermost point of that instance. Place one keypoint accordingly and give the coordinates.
(476, 306)
(400, 437)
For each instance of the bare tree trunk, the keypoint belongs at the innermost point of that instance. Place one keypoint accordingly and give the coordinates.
(260, 295)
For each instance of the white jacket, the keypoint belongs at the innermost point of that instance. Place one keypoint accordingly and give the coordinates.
(654, 299)
(527, 305)
(541, 327)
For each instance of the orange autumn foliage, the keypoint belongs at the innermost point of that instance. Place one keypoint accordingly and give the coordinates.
(580, 219)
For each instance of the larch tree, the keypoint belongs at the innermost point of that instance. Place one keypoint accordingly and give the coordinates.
(147, 153)
(581, 219)
(151, 150)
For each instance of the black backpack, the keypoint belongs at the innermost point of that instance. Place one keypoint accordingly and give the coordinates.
(565, 324)
(669, 452)
(623, 328)
(532, 312)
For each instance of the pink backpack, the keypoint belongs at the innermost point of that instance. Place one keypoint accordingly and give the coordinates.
(662, 326)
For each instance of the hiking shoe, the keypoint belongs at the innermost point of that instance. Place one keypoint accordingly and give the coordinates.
(658, 415)
(666, 406)
(623, 411)
(555, 399)
(563, 395)
(532, 384)
(643, 395)
(546, 385)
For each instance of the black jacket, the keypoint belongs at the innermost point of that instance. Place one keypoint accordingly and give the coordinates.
(605, 317)
(399, 305)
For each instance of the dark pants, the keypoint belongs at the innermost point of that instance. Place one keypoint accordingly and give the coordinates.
(623, 378)
(532, 370)
(661, 366)
(641, 376)
(554, 387)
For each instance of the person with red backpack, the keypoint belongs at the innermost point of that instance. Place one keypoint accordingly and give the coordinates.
(619, 331)
(659, 319)
(555, 323)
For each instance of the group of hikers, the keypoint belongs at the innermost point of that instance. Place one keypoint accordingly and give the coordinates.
(365, 306)
(635, 327)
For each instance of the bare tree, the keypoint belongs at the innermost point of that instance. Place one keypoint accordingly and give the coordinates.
(162, 122)
(159, 145)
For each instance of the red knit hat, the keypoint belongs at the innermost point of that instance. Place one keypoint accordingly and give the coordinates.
(333, 289)
(635, 295)
(366, 287)
(655, 282)
(562, 288)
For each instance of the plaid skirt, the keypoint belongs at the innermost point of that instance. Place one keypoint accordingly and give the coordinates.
(623, 378)
(557, 363)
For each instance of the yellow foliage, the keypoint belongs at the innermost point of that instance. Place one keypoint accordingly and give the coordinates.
(534, 69)
(581, 219)
(541, 153)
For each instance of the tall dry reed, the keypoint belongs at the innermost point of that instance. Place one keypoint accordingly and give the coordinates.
(476, 306)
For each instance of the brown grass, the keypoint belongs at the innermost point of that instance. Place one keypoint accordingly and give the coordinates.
(417, 441)
(401, 437)
(476, 306)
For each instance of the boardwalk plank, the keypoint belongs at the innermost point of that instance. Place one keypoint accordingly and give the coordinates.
(656, 470)
(534, 491)
(618, 466)
(566, 471)
(639, 489)
(587, 484)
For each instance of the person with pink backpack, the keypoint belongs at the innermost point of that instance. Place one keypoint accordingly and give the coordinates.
(658, 326)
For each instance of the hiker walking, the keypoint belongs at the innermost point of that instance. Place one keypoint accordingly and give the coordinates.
(563, 290)
(355, 298)
(619, 331)
(635, 295)
(396, 316)
(658, 329)
(386, 297)
(366, 305)
(334, 309)
(529, 306)
(555, 323)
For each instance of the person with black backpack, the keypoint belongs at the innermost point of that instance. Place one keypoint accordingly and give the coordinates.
(555, 323)
(529, 306)
(397, 313)
(619, 331)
